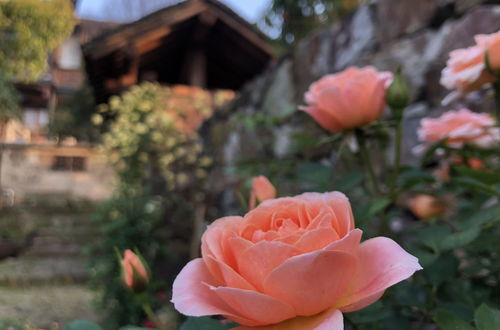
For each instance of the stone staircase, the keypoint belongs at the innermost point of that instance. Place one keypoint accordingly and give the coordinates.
(56, 254)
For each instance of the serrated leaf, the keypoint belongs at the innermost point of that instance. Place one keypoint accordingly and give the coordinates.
(460, 239)
(448, 321)
(487, 318)
(82, 325)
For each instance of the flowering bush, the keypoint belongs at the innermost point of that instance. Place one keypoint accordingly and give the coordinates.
(263, 270)
(430, 259)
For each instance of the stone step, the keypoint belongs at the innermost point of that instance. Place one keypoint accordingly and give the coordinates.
(26, 270)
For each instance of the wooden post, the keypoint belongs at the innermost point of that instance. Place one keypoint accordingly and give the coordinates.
(198, 223)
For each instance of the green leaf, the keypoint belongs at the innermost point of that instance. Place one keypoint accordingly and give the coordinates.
(373, 313)
(448, 321)
(487, 318)
(371, 209)
(459, 239)
(82, 325)
(476, 185)
(432, 236)
(425, 257)
(205, 323)
(487, 177)
(349, 181)
(487, 216)
(443, 269)
(132, 327)
(412, 177)
(315, 174)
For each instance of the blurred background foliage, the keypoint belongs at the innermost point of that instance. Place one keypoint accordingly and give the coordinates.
(23, 23)
(295, 19)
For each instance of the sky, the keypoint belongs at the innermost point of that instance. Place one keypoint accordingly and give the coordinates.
(251, 10)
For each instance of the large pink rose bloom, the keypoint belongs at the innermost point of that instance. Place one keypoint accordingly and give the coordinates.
(349, 99)
(466, 70)
(290, 263)
(459, 128)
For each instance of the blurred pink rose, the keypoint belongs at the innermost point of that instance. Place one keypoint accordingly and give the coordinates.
(459, 128)
(493, 50)
(349, 99)
(290, 263)
(262, 190)
(466, 70)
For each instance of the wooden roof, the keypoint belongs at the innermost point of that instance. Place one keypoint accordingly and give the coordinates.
(195, 42)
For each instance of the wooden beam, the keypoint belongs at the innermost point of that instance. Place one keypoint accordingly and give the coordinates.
(129, 33)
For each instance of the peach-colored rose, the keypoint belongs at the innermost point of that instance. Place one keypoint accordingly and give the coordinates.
(459, 128)
(466, 70)
(135, 275)
(349, 99)
(426, 206)
(290, 263)
(262, 190)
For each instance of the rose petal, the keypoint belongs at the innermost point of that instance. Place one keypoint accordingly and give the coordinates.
(316, 239)
(257, 307)
(258, 261)
(323, 118)
(329, 320)
(192, 297)
(363, 302)
(383, 263)
(214, 238)
(349, 243)
(337, 203)
(229, 276)
(311, 282)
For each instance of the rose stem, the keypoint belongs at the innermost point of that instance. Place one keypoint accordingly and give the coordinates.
(365, 156)
(151, 316)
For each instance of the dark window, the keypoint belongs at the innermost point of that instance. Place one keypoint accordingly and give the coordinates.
(74, 164)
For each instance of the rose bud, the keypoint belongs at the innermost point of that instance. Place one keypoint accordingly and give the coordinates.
(475, 163)
(425, 206)
(349, 99)
(262, 190)
(290, 263)
(134, 272)
(398, 96)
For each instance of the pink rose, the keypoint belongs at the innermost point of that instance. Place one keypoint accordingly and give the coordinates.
(493, 50)
(349, 99)
(262, 190)
(459, 128)
(290, 263)
(465, 70)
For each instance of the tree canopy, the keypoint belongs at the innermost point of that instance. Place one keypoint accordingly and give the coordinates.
(294, 19)
(29, 31)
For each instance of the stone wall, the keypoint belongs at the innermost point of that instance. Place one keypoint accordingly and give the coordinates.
(50, 171)
(418, 35)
